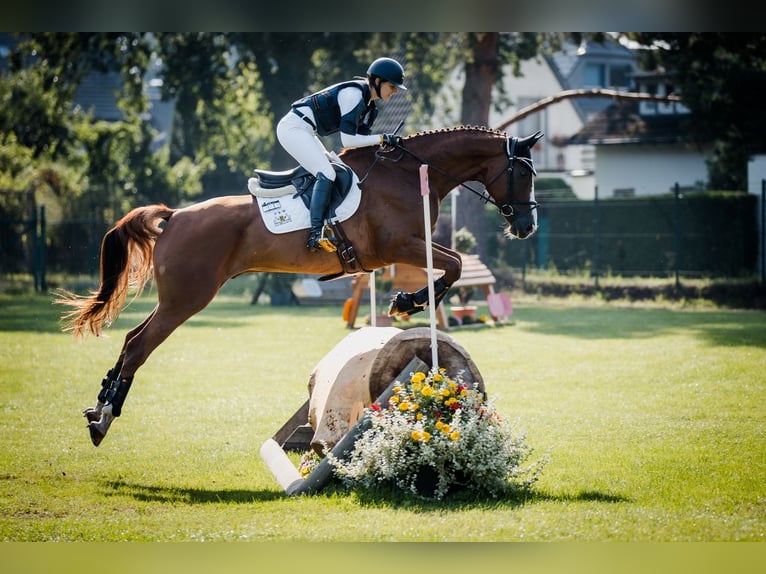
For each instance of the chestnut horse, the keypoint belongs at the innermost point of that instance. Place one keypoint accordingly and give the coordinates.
(192, 252)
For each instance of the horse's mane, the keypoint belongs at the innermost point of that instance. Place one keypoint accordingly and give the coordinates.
(412, 138)
(454, 129)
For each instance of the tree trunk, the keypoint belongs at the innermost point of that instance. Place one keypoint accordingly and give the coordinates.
(480, 73)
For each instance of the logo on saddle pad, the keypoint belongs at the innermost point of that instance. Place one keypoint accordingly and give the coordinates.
(284, 196)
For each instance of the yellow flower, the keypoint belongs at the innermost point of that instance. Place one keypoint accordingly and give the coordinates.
(404, 406)
(439, 425)
(454, 435)
(427, 391)
(394, 399)
(445, 428)
(418, 377)
(419, 416)
(444, 392)
(414, 406)
(452, 385)
(438, 377)
(422, 436)
(397, 389)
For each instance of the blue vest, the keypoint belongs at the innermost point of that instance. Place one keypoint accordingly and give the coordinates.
(326, 110)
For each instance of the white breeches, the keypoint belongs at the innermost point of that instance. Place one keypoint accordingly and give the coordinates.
(300, 141)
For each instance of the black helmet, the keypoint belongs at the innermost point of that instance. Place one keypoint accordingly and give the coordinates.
(389, 70)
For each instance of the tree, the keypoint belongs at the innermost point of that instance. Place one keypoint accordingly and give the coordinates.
(481, 58)
(721, 78)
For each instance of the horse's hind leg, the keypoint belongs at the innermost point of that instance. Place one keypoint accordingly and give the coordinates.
(93, 414)
(139, 344)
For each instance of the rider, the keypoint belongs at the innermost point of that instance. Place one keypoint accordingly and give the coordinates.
(347, 107)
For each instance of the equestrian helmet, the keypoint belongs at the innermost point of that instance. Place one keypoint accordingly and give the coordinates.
(389, 70)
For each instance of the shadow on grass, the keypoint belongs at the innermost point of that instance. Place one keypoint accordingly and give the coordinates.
(717, 328)
(149, 493)
(38, 313)
(461, 500)
(468, 500)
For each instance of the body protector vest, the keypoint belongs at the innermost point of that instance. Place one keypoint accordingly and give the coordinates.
(326, 110)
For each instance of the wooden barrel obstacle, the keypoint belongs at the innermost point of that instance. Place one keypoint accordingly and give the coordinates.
(363, 368)
(409, 278)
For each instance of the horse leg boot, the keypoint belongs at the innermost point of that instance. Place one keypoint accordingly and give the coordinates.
(94, 413)
(320, 201)
(114, 399)
(410, 303)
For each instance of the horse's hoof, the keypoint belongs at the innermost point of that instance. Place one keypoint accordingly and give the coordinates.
(404, 304)
(96, 436)
(92, 414)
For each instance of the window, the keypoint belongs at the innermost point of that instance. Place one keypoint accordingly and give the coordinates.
(619, 76)
(595, 76)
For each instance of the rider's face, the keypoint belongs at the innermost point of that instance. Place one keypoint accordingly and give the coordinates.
(387, 89)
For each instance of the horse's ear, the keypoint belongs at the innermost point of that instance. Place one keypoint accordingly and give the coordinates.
(529, 141)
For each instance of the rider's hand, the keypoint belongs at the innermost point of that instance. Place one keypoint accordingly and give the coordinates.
(390, 139)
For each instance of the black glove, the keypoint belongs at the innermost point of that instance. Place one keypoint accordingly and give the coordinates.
(390, 139)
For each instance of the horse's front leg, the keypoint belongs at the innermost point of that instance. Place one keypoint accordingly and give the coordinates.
(405, 303)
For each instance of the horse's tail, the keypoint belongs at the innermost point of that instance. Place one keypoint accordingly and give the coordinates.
(126, 262)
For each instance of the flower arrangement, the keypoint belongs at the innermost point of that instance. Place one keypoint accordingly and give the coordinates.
(435, 435)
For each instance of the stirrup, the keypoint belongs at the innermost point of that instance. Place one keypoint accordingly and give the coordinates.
(327, 240)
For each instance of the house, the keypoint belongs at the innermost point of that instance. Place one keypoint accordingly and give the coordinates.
(641, 147)
(587, 65)
(98, 93)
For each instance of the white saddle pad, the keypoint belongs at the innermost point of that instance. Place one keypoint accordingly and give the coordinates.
(286, 213)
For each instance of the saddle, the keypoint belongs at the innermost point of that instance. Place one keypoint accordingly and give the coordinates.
(299, 182)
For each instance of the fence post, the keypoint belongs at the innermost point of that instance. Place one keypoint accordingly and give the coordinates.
(42, 252)
(677, 232)
(32, 250)
(763, 230)
(596, 237)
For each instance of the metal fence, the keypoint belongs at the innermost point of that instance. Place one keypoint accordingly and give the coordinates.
(684, 234)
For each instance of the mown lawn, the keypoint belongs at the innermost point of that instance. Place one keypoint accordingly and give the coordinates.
(653, 419)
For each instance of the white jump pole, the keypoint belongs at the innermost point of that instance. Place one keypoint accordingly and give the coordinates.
(426, 192)
(373, 298)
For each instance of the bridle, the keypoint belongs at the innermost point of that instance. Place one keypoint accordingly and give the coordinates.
(506, 209)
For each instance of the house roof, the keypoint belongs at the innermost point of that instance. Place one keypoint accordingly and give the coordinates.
(621, 123)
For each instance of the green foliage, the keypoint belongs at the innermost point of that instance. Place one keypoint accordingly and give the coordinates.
(553, 188)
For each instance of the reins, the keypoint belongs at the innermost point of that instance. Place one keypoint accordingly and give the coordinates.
(506, 209)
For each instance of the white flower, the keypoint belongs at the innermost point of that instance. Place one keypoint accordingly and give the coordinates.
(436, 435)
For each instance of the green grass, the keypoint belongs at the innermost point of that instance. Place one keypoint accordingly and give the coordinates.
(653, 418)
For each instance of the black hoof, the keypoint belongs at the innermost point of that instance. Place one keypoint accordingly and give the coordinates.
(92, 415)
(404, 304)
(96, 436)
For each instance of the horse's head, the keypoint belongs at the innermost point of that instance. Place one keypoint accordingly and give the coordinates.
(514, 194)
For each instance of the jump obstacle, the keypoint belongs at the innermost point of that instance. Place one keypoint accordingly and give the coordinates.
(360, 370)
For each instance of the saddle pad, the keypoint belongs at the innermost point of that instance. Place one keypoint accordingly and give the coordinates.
(288, 213)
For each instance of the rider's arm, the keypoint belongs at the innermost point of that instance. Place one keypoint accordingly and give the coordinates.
(351, 107)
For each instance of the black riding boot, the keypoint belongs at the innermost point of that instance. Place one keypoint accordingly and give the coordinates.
(320, 201)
